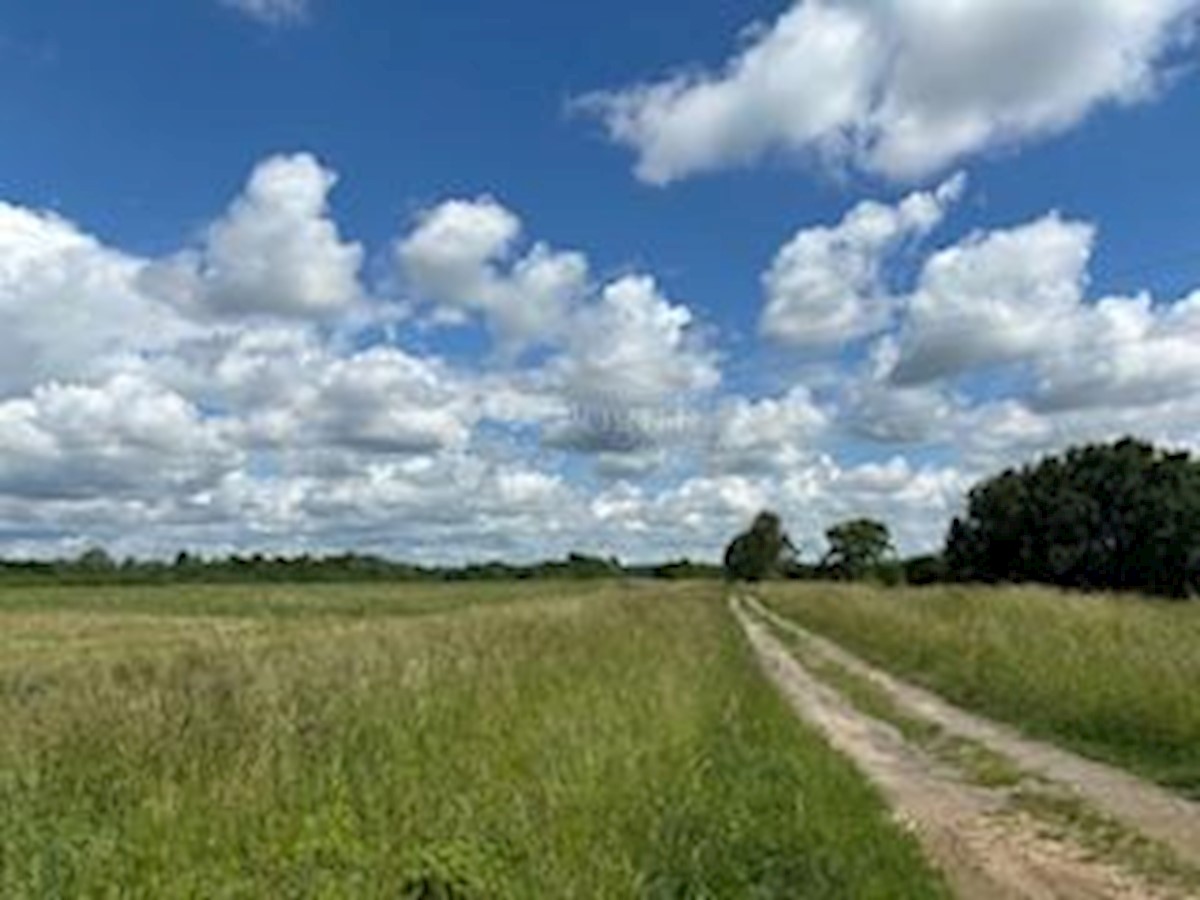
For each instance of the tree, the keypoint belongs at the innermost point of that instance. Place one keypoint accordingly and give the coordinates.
(921, 571)
(760, 552)
(1122, 516)
(96, 561)
(857, 548)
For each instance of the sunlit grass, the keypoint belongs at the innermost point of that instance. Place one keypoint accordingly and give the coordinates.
(1115, 678)
(280, 600)
(618, 742)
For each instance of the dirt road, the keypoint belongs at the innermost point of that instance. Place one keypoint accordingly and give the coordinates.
(986, 849)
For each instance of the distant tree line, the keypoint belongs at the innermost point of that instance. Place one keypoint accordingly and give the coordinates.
(1120, 517)
(96, 566)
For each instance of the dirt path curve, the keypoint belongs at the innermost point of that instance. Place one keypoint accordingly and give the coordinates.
(984, 855)
(1154, 811)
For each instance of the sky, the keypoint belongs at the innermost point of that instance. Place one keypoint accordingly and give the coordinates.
(465, 281)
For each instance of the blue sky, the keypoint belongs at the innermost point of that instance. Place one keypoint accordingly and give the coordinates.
(451, 281)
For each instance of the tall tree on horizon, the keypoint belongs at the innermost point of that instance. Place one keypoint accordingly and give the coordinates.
(759, 553)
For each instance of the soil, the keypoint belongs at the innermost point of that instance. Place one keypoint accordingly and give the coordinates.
(969, 832)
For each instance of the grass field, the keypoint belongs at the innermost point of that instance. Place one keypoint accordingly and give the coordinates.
(1114, 678)
(367, 741)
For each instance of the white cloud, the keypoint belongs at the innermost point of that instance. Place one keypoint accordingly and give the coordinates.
(623, 362)
(462, 257)
(767, 435)
(286, 425)
(996, 297)
(69, 304)
(272, 12)
(1018, 297)
(904, 88)
(384, 400)
(276, 252)
(120, 438)
(612, 347)
(1125, 352)
(827, 285)
(283, 387)
(634, 347)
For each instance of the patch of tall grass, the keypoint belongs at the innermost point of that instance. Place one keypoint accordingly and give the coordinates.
(1112, 677)
(613, 743)
(279, 600)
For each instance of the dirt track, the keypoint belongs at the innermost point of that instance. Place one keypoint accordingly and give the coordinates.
(967, 830)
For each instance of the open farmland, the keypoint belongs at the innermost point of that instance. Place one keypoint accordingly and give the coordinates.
(507, 741)
(1113, 678)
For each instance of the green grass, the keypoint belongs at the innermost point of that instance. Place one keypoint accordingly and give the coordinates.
(615, 742)
(280, 600)
(1114, 678)
(974, 761)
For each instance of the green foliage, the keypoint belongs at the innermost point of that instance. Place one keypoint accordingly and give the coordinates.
(858, 549)
(923, 571)
(759, 553)
(889, 573)
(681, 570)
(593, 741)
(1122, 517)
(457, 870)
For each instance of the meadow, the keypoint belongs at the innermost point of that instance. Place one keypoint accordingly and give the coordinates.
(1111, 677)
(494, 741)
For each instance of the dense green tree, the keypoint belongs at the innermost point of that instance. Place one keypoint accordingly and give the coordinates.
(760, 552)
(925, 570)
(858, 548)
(1122, 516)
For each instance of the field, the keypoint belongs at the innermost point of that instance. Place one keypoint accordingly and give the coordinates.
(372, 741)
(1113, 678)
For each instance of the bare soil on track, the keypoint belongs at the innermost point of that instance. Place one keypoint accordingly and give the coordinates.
(986, 849)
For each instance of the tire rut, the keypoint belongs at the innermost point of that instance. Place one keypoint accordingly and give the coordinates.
(985, 851)
(1156, 812)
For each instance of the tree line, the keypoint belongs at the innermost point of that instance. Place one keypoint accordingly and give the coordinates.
(1123, 516)
(96, 566)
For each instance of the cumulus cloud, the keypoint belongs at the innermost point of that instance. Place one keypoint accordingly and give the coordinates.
(229, 398)
(276, 251)
(272, 12)
(772, 434)
(125, 437)
(903, 89)
(620, 344)
(874, 407)
(995, 297)
(827, 285)
(1019, 296)
(623, 362)
(68, 303)
(634, 347)
(462, 257)
(1125, 352)
(630, 373)
(384, 400)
